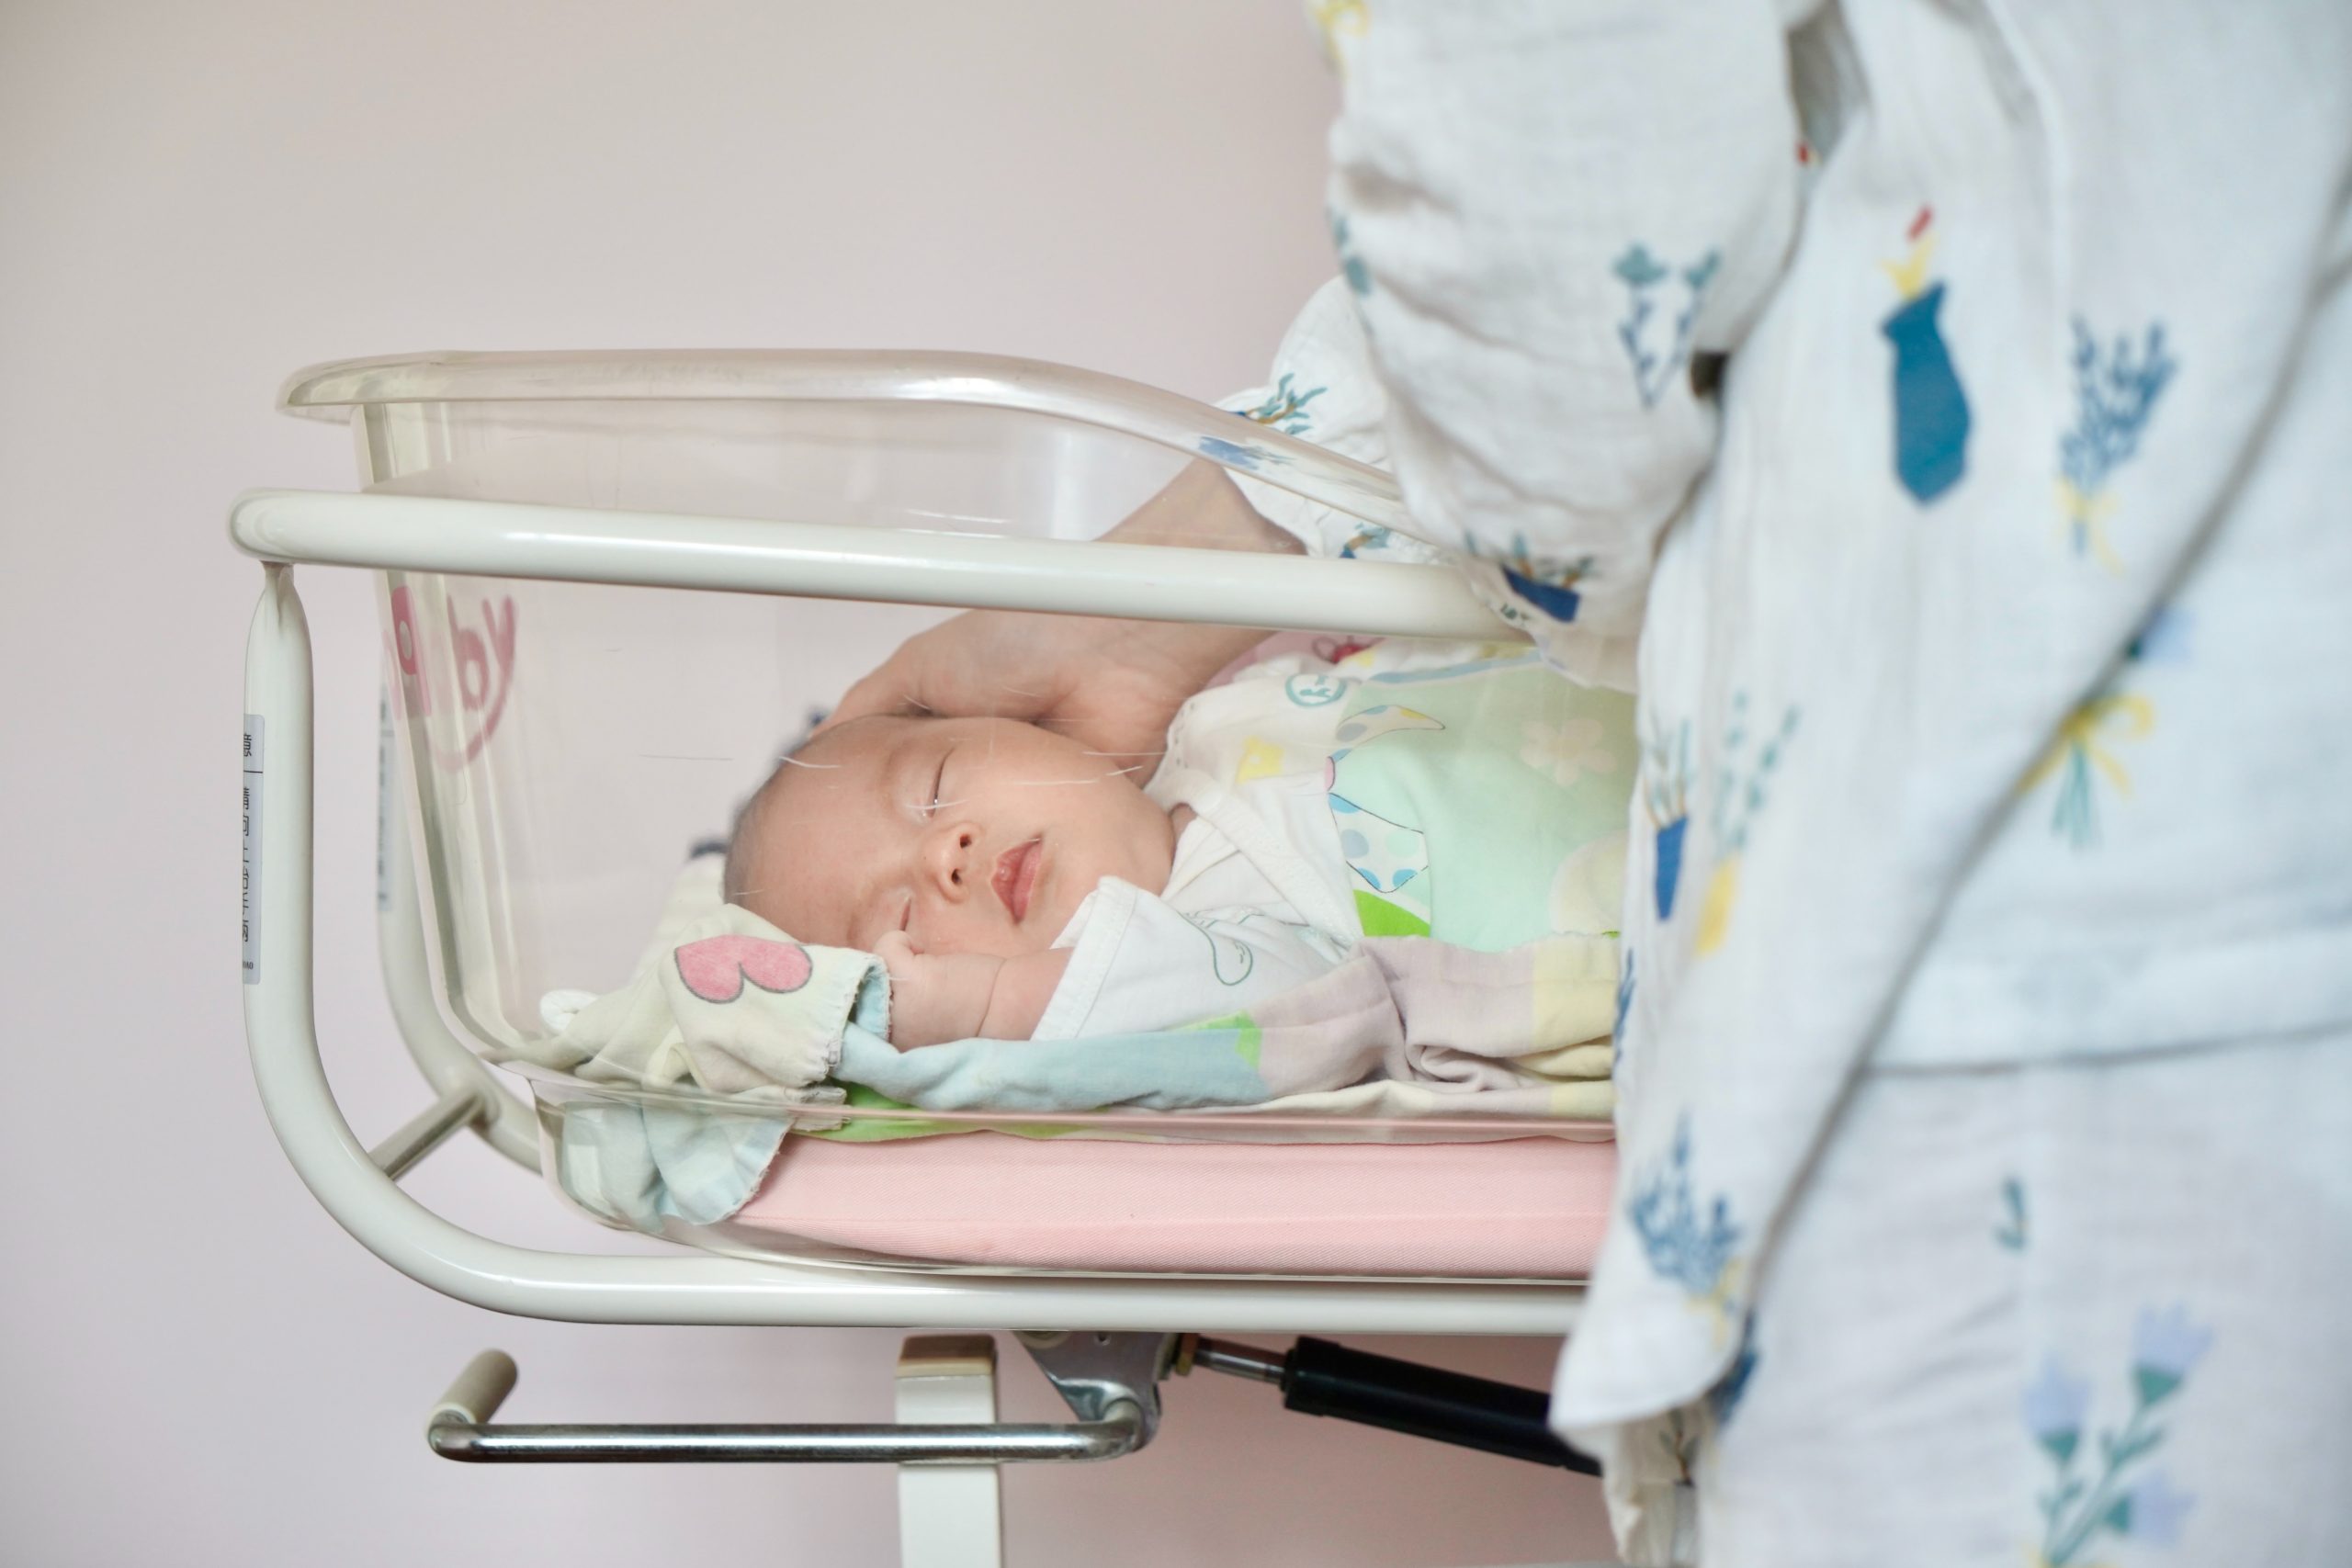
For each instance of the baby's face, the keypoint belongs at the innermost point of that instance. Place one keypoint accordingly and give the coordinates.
(971, 835)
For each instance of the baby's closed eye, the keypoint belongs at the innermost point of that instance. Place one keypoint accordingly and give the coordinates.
(938, 784)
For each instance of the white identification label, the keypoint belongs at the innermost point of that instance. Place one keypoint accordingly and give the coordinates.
(253, 730)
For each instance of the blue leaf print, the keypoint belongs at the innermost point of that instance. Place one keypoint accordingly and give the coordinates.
(2116, 390)
(1655, 364)
(1284, 409)
(1551, 589)
(1232, 454)
(1351, 266)
(1666, 798)
(1690, 1249)
(1732, 1387)
(1624, 1006)
(2011, 1232)
(1557, 601)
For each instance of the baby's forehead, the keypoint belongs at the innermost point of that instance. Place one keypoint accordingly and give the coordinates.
(852, 757)
(820, 792)
(872, 735)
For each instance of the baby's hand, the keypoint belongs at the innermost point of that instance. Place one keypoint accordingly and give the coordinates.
(935, 999)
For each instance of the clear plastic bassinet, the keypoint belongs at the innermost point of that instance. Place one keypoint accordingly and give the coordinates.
(563, 746)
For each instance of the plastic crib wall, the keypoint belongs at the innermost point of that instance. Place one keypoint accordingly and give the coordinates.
(199, 200)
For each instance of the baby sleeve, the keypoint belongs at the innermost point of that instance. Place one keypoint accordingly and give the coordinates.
(1137, 964)
(1542, 213)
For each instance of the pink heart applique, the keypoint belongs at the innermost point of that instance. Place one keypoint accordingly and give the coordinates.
(716, 967)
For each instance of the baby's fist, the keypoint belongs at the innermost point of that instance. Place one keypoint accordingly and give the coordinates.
(897, 955)
(934, 998)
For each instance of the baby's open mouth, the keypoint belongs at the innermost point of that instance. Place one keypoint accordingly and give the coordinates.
(1016, 877)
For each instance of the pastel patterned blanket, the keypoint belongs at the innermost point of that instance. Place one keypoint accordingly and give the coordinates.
(746, 1033)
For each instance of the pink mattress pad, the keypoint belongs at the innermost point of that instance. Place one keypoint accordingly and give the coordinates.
(1528, 1208)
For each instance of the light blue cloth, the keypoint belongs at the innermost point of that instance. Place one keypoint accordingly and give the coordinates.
(1181, 1070)
(646, 1166)
(642, 1166)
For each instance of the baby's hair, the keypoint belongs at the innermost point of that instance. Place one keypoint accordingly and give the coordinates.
(738, 870)
(743, 831)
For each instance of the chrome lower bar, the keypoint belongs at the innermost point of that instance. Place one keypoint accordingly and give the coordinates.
(886, 1443)
(461, 1429)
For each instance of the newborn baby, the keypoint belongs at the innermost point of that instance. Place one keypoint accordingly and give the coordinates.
(1017, 885)
(956, 850)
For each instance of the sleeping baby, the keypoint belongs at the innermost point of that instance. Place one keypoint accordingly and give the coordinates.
(1018, 887)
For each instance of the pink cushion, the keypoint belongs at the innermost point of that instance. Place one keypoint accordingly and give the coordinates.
(1530, 1208)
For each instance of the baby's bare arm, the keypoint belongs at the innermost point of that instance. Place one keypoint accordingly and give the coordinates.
(1023, 987)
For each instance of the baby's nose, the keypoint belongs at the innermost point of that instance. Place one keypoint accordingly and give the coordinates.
(954, 860)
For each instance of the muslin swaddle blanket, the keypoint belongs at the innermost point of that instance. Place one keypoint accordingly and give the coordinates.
(744, 1034)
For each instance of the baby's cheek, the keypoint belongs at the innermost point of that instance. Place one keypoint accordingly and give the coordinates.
(946, 934)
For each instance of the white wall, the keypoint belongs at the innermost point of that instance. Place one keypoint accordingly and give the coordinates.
(195, 199)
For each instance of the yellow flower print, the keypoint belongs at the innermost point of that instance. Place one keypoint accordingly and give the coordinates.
(1335, 19)
(1740, 796)
(1715, 909)
(2117, 386)
(2082, 748)
(2082, 521)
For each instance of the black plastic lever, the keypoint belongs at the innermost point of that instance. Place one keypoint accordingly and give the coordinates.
(1320, 1378)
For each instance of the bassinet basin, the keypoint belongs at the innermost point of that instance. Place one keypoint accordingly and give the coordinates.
(670, 563)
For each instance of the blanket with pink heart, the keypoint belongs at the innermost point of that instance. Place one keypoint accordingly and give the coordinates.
(724, 1003)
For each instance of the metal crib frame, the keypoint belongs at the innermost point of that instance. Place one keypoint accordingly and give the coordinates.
(1109, 1373)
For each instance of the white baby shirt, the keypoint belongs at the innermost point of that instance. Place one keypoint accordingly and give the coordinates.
(1256, 902)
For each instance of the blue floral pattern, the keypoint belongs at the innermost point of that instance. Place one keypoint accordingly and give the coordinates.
(2122, 1496)
(2116, 389)
(1741, 794)
(1351, 266)
(1285, 408)
(2089, 737)
(1722, 1400)
(1624, 1006)
(1697, 1251)
(2011, 1234)
(1655, 364)
(1232, 454)
(1550, 589)
(1666, 798)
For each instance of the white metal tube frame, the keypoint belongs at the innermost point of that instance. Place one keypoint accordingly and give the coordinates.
(494, 1111)
(818, 561)
(419, 534)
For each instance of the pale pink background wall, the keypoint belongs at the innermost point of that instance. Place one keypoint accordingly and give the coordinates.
(195, 199)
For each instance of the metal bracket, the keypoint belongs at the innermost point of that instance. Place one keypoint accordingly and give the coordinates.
(1097, 1373)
